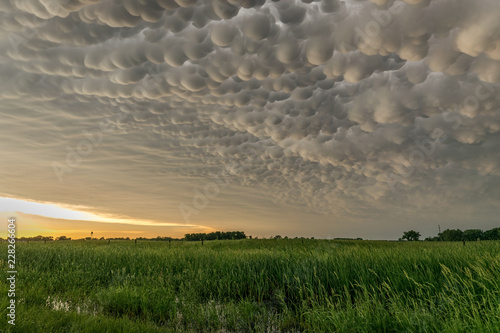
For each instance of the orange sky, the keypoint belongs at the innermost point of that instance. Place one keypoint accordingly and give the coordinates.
(29, 225)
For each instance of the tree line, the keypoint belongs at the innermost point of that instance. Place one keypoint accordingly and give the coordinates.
(456, 235)
(217, 235)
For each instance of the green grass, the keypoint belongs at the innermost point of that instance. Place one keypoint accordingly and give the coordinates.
(255, 286)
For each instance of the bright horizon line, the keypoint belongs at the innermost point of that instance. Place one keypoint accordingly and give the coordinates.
(63, 212)
(75, 213)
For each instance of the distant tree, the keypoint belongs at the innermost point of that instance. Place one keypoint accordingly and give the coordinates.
(473, 234)
(457, 235)
(217, 235)
(452, 235)
(63, 238)
(277, 237)
(411, 235)
(492, 234)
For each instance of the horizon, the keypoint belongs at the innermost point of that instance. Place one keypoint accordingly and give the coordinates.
(125, 236)
(323, 119)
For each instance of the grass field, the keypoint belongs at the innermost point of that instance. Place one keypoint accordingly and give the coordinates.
(255, 286)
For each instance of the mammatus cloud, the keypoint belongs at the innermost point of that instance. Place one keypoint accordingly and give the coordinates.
(356, 110)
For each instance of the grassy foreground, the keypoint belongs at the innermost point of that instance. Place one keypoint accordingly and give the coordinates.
(255, 286)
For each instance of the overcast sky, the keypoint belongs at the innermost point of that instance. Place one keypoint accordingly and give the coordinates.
(315, 118)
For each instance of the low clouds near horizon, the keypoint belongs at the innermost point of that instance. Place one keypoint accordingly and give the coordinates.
(340, 117)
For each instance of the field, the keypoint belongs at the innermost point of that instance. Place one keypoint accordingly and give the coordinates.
(255, 286)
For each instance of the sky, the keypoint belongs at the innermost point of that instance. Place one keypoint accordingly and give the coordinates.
(308, 118)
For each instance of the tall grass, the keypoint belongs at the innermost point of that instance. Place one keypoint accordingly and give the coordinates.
(258, 286)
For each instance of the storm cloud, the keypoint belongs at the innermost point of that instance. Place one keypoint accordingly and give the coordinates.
(359, 111)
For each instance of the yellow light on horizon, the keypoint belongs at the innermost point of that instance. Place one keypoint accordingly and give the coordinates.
(78, 213)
